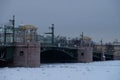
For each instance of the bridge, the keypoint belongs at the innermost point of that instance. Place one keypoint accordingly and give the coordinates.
(55, 54)
(58, 54)
(51, 54)
(24, 54)
(20, 46)
(6, 55)
(97, 56)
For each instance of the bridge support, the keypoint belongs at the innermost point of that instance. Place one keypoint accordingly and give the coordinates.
(85, 54)
(116, 57)
(27, 55)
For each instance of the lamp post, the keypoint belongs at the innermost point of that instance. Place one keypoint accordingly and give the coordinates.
(102, 51)
(13, 27)
(13, 23)
(82, 39)
(4, 34)
(52, 33)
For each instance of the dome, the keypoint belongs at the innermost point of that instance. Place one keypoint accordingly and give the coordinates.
(28, 27)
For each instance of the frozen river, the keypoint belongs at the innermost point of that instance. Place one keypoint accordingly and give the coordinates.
(108, 70)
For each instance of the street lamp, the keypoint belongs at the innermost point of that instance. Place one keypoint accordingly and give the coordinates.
(52, 33)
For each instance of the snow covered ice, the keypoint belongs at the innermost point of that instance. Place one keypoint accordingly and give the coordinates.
(107, 70)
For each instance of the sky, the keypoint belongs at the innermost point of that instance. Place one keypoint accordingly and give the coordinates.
(98, 19)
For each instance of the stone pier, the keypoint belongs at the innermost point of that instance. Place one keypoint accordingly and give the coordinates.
(85, 54)
(27, 55)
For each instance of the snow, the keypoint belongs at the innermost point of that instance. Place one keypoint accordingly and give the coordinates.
(106, 70)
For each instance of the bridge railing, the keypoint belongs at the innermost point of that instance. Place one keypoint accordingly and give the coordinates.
(64, 46)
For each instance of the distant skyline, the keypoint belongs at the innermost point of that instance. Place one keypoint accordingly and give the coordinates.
(99, 19)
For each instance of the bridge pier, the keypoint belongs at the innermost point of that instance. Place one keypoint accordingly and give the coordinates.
(116, 57)
(85, 54)
(27, 55)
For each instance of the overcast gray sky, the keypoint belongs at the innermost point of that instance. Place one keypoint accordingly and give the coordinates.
(96, 18)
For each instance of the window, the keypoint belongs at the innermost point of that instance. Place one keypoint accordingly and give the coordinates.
(21, 53)
(82, 54)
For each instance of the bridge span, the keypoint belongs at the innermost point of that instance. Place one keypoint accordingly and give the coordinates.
(57, 54)
(33, 54)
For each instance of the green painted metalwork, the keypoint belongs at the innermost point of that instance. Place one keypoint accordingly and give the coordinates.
(68, 50)
(6, 53)
(9, 53)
